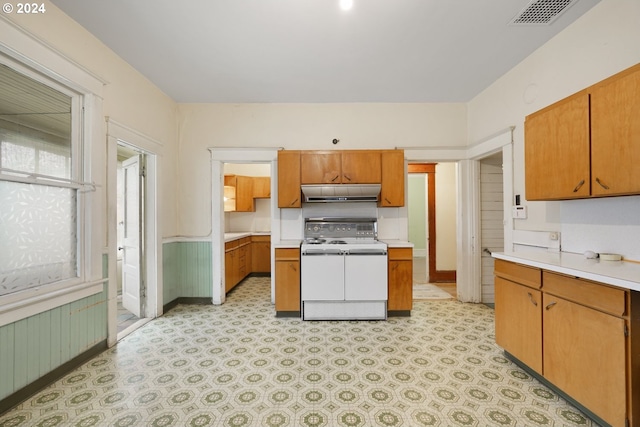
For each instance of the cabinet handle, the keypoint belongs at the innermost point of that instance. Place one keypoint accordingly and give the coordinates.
(532, 300)
(387, 200)
(548, 307)
(580, 184)
(334, 178)
(606, 187)
(293, 267)
(347, 176)
(294, 202)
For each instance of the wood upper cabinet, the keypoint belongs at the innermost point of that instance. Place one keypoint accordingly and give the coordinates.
(557, 150)
(321, 167)
(361, 167)
(244, 192)
(340, 167)
(615, 135)
(400, 280)
(287, 280)
(289, 194)
(587, 145)
(585, 356)
(392, 178)
(261, 187)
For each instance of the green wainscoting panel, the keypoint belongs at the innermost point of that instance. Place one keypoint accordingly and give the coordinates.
(32, 347)
(187, 270)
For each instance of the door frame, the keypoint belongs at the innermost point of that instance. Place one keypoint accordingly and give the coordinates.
(468, 253)
(118, 134)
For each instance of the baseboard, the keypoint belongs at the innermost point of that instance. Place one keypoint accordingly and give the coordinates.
(30, 389)
(399, 313)
(440, 276)
(187, 300)
(288, 314)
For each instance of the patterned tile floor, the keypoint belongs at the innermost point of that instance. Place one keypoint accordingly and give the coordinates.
(238, 365)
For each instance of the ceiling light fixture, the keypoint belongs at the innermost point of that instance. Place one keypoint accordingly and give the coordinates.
(346, 4)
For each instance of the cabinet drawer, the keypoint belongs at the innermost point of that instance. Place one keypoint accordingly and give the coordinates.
(261, 238)
(585, 292)
(523, 274)
(400, 254)
(286, 254)
(231, 245)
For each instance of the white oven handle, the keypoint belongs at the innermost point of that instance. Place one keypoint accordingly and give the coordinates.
(316, 252)
(367, 252)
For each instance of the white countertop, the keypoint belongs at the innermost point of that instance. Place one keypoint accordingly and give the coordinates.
(623, 274)
(287, 244)
(228, 237)
(397, 243)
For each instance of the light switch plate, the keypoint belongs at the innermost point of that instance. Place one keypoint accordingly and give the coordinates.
(519, 212)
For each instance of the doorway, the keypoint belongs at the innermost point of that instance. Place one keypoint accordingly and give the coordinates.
(432, 227)
(131, 205)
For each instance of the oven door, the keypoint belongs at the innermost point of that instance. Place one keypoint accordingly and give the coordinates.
(365, 276)
(322, 275)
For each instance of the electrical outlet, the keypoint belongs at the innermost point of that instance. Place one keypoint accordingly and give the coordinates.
(519, 212)
(553, 235)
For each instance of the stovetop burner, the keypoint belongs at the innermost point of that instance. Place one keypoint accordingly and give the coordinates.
(337, 242)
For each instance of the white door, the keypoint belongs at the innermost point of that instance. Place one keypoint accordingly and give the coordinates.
(132, 283)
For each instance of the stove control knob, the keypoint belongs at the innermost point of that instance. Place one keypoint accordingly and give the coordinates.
(316, 228)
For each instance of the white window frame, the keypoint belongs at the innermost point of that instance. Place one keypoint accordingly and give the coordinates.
(19, 305)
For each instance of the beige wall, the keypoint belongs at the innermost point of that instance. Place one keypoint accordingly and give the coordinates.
(299, 126)
(601, 43)
(129, 98)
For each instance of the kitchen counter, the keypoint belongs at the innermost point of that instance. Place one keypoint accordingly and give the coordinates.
(228, 237)
(623, 274)
(397, 243)
(287, 244)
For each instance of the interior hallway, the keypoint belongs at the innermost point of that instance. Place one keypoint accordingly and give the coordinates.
(238, 365)
(420, 276)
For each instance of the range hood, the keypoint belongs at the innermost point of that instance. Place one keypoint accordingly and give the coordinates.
(341, 193)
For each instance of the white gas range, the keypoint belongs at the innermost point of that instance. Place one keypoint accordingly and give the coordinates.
(344, 270)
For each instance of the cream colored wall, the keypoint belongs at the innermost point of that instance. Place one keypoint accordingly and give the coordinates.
(446, 195)
(601, 43)
(299, 126)
(129, 98)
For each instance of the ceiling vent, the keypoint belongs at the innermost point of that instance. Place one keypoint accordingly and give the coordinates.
(542, 12)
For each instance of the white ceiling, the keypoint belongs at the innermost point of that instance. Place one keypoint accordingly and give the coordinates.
(236, 51)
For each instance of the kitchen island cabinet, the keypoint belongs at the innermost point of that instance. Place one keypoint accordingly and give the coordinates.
(587, 347)
(588, 144)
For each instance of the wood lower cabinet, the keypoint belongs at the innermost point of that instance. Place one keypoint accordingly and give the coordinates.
(585, 356)
(576, 334)
(261, 254)
(518, 313)
(237, 261)
(400, 281)
(287, 281)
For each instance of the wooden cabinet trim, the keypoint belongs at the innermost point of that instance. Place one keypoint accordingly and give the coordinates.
(591, 294)
(522, 274)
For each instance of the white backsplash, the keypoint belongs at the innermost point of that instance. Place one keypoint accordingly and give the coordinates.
(607, 225)
(256, 222)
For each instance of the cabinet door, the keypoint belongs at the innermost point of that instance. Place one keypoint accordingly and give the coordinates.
(289, 179)
(261, 187)
(518, 320)
(320, 167)
(392, 178)
(615, 135)
(244, 194)
(361, 167)
(584, 355)
(287, 280)
(400, 285)
(261, 254)
(557, 150)
(229, 269)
